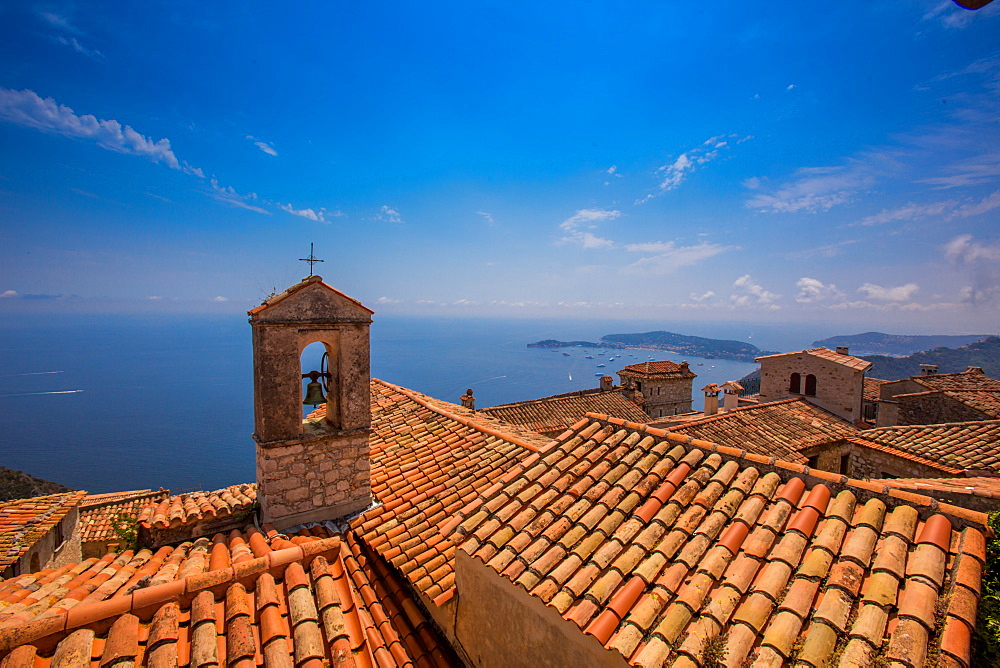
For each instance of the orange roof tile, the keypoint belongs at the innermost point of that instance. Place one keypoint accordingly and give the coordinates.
(428, 459)
(960, 446)
(98, 510)
(652, 368)
(825, 353)
(197, 506)
(986, 402)
(777, 428)
(985, 487)
(559, 412)
(324, 602)
(26, 521)
(872, 388)
(972, 378)
(665, 548)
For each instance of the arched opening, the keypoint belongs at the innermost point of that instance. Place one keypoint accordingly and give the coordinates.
(810, 386)
(319, 392)
(795, 384)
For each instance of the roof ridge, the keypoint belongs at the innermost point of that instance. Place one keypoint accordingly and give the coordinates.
(468, 422)
(875, 445)
(901, 427)
(964, 516)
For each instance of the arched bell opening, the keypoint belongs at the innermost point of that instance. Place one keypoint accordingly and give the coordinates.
(320, 382)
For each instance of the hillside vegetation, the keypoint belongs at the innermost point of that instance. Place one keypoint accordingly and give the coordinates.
(985, 353)
(678, 344)
(20, 485)
(877, 343)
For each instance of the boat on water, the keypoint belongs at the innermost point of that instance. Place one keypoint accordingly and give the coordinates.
(600, 365)
(589, 357)
(565, 354)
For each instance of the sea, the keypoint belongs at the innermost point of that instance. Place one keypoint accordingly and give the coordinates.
(111, 403)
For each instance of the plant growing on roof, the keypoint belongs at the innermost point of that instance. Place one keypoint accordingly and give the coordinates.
(126, 530)
(986, 635)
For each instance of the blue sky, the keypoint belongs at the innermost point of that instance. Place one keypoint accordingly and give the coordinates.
(740, 161)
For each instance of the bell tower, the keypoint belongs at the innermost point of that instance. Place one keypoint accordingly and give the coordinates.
(318, 468)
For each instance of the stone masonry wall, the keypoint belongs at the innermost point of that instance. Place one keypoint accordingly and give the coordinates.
(317, 479)
(865, 463)
(934, 408)
(839, 388)
(667, 397)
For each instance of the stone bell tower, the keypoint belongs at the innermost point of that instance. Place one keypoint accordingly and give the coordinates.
(314, 469)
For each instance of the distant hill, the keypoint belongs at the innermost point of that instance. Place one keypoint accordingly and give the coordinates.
(20, 485)
(985, 353)
(678, 344)
(877, 343)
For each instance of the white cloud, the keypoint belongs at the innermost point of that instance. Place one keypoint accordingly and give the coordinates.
(988, 203)
(816, 189)
(578, 225)
(59, 21)
(751, 183)
(812, 290)
(74, 44)
(228, 195)
(28, 109)
(702, 297)
(389, 215)
(675, 173)
(949, 14)
(981, 262)
(612, 169)
(388, 300)
(753, 294)
(264, 146)
(908, 212)
(8, 294)
(827, 250)
(790, 87)
(899, 293)
(670, 257)
(318, 215)
(487, 217)
(220, 299)
(154, 298)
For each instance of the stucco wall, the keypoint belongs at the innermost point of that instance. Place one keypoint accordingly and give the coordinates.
(499, 625)
(839, 388)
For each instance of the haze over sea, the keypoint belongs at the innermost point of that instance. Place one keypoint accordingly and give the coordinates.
(107, 403)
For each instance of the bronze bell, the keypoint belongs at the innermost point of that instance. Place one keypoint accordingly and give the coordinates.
(314, 394)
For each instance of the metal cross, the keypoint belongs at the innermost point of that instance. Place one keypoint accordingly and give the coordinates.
(311, 260)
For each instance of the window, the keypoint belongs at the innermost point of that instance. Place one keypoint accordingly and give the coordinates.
(810, 386)
(638, 385)
(814, 461)
(845, 464)
(795, 384)
(60, 536)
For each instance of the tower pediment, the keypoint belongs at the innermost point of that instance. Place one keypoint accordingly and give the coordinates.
(311, 300)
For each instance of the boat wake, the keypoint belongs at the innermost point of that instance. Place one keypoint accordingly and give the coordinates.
(35, 394)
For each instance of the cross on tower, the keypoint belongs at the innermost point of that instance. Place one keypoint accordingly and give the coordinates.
(311, 259)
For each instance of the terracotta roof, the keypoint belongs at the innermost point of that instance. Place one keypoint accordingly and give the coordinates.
(987, 488)
(972, 378)
(668, 550)
(986, 402)
(961, 446)
(26, 521)
(197, 506)
(560, 412)
(872, 388)
(827, 354)
(657, 368)
(97, 511)
(428, 459)
(776, 428)
(321, 602)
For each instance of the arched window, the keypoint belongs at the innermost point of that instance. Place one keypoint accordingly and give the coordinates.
(810, 386)
(795, 384)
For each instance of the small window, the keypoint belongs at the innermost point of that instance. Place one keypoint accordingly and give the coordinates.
(845, 464)
(638, 385)
(60, 536)
(810, 386)
(888, 476)
(795, 384)
(814, 461)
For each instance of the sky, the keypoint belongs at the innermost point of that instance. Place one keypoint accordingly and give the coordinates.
(783, 162)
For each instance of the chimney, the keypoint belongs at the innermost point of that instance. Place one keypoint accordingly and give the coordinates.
(606, 383)
(841, 350)
(711, 399)
(928, 369)
(731, 395)
(468, 401)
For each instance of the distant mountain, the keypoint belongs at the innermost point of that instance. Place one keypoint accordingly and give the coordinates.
(985, 353)
(877, 343)
(20, 485)
(678, 344)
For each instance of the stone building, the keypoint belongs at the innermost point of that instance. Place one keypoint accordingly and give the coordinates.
(933, 398)
(311, 470)
(39, 532)
(831, 380)
(665, 386)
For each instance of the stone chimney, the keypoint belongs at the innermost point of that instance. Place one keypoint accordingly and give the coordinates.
(842, 350)
(711, 399)
(318, 468)
(607, 383)
(928, 369)
(468, 401)
(731, 395)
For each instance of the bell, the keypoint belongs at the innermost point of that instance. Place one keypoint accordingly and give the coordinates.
(314, 394)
